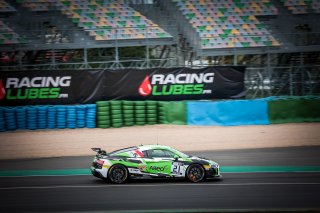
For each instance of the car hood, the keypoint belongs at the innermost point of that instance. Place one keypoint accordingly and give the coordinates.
(202, 160)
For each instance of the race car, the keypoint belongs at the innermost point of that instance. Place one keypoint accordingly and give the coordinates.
(153, 161)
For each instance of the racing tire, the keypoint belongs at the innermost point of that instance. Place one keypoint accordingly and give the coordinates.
(116, 107)
(103, 109)
(152, 107)
(127, 103)
(151, 111)
(140, 108)
(102, 103)
(128, 116)
(103, 117)
(128, 107)
(140, 103)
(195, 173)
(118, 174)
(103, 113)
(116, 116)
(128, 111)
(103, 126)
(105, 122)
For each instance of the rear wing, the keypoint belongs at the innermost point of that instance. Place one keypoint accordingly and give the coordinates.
(99, 151)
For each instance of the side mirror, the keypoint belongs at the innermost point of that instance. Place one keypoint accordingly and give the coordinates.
(176, 157)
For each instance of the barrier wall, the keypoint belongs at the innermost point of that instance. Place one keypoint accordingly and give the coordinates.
(107, 114)
(228, 113)
(294, 110)
(47, 117)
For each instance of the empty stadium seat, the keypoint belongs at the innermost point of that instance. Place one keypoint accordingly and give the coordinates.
(8, 36)
(5, 7)
(103, 20)
(302, 6)
(229, 23)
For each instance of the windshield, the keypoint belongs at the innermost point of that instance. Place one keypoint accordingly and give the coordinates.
(181, 154)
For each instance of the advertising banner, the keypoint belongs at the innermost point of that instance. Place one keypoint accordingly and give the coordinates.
(88, 86)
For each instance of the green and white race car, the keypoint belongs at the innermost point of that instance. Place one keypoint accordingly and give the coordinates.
(151, 161)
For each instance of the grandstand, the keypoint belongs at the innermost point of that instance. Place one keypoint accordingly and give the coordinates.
(277, 40)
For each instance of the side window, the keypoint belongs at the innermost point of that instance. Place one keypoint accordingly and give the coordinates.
(160, 153)
(145, 153)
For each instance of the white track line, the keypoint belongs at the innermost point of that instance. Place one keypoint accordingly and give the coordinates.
(22, 176)
(153, 185)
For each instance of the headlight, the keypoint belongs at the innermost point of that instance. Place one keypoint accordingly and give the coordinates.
(215, 165)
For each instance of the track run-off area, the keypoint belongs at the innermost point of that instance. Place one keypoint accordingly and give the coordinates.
(269, 179)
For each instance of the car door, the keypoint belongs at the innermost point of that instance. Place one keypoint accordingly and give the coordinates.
(159, 161)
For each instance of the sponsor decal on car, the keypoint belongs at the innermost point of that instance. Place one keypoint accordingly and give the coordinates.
(142, 168)
(158, 168)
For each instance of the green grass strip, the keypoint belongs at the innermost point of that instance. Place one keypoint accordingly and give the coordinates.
(231, 169)
(270, 169)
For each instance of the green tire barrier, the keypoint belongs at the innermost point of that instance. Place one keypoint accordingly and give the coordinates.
(114, 103)
(116, 107)
(294, 110)
(103, 117)
(128, 119)
(117, 125)
(116, 116)
(103, 113)
(125, 116)
(139, 103)
(174, 112)
(105, 122)
(139, 111)
(104, 126)
(140, 116)
(116, 120)
(104, 108)
(152, 115)
(128, 103)
(116, 112)
(140, 119)
(140, 123)
(155, 107)
(102, 103)
(128, 107)
(141, 108)
(128, 113)
(151, 111)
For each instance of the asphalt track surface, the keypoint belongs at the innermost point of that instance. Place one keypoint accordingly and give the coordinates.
(248, 191)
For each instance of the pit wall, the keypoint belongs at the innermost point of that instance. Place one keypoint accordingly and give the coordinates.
(114, 114)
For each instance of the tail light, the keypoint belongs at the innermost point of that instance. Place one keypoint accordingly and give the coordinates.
(100, 162)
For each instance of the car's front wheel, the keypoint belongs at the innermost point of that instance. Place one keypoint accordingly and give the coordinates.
(195, 173)
(118, 174)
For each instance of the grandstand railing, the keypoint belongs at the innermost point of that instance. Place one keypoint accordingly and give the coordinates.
(79, 38)
(112, 64)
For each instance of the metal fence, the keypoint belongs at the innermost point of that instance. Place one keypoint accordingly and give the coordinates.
(285, 80)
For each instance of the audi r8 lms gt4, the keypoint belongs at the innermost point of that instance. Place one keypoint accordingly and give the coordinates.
(153, 161)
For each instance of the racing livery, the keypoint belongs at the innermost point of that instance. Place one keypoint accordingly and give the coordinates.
(151, 161)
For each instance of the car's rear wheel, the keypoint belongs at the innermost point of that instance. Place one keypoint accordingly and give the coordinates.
(195, 173)
(118, 174)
